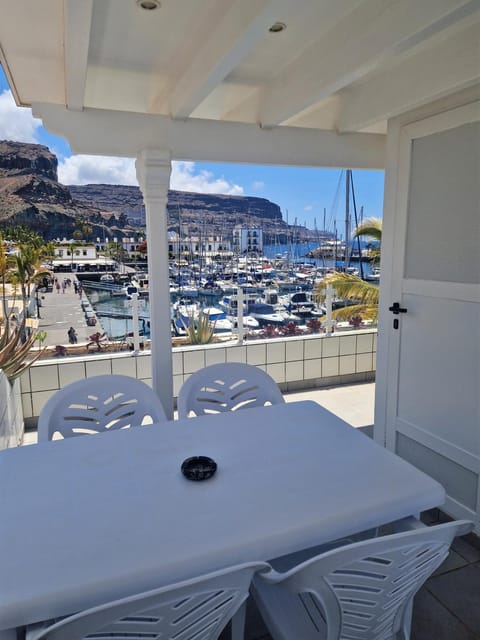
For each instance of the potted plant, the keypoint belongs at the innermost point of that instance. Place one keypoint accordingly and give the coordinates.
(15, 358)
(200, 330)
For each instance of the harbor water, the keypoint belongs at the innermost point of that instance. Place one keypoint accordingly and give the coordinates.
(115, 313)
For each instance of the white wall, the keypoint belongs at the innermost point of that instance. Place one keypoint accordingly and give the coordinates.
(294, 363)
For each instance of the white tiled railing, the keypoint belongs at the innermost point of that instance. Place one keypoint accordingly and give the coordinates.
(294, 363)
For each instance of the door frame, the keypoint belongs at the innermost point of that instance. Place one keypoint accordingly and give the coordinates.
(402, 131)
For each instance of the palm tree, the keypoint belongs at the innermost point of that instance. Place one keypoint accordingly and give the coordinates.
(28, 270)
(6, 264)
(47, 251)
(74, 251)
(23, 235)
(352, 287)
(15, 344)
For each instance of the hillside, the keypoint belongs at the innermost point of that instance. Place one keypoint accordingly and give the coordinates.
(31, 195)
(186, 205)
(194, 212)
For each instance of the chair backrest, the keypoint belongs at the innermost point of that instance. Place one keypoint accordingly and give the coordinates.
(99, 403)
(196, 609)
(228, 386)
(361, 591)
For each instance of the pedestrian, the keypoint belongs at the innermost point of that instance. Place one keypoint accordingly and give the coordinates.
(58, 287)
(72, 336)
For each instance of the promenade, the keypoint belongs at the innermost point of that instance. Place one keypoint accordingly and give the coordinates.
(61, 310)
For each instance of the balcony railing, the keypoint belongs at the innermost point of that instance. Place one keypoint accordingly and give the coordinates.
(296, 363)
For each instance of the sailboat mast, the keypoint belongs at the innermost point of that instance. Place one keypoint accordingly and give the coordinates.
(335, 246)
(346, 261)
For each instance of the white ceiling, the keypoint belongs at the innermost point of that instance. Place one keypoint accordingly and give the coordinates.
(340, 65)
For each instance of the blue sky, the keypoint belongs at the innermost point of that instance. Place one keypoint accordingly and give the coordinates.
(305, 193)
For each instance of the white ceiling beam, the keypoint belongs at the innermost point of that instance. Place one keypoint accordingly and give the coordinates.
(450, 66)
(77, 25)
(374, 31)
(243, 26)
(118, 133)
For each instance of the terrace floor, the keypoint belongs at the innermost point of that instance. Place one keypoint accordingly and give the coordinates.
(448, 606)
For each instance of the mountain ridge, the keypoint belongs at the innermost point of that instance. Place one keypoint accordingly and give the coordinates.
(31, 195)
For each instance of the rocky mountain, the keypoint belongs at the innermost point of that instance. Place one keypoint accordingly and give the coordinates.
(31, 195)
(197, 211)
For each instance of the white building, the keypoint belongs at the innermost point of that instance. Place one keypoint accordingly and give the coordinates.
(247, 239)
(200, 245)
(75, 256)
(131, 248)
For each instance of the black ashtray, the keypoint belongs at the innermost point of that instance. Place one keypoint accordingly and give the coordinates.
(198, 468)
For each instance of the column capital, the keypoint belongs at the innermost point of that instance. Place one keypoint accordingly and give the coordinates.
(153, 167)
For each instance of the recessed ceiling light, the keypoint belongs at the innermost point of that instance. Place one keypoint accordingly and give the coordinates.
(148, 5)
(277, 27)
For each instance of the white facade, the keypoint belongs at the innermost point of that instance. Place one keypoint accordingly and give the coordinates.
(208, 245)
(131, 248)
(247, 239)
(76, 252)
(74, 256)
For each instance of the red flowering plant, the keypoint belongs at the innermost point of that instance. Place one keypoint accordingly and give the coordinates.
(314, 325)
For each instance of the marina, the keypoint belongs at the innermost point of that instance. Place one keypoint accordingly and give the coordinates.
(277, 288)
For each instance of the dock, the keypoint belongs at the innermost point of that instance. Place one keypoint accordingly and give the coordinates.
(61, 310)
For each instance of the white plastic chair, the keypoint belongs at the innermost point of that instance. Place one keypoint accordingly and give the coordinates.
(228, 386)
(99, 403)
(362, 591)
(196, 609)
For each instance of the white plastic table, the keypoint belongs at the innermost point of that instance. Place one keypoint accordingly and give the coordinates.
(94, 518)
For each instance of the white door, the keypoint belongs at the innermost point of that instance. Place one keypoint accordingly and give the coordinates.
(428, 383)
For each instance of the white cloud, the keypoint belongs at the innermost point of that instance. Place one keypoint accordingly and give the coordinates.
(185, 178)
(258, 185)
(83, 169)
(308, 207)
(17, 123)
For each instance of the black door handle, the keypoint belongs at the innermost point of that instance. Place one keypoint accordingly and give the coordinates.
(396, 309)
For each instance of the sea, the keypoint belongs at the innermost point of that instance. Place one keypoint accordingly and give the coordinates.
(119, 327)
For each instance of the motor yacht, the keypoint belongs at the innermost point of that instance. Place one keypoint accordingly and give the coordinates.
(266, 314)
(222, 324)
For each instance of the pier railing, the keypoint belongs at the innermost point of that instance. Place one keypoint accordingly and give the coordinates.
(296, 363)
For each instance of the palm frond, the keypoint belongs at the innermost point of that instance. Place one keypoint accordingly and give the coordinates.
(366, 312)
(349, 286)
(352, 288)
(370, 228)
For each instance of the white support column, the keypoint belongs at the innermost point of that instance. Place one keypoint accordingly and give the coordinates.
(328, 304)
(240, 314)
(153, 174)
(136, 339)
